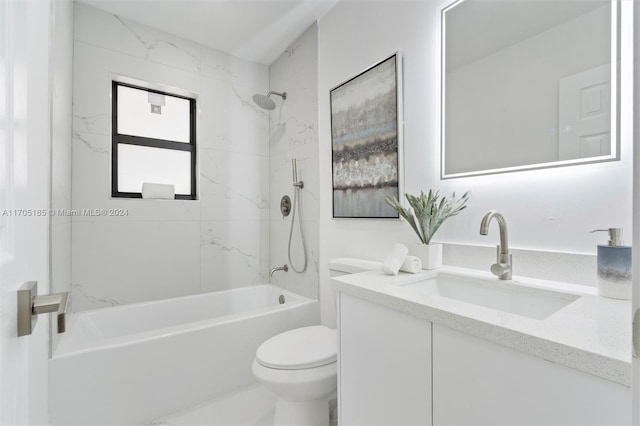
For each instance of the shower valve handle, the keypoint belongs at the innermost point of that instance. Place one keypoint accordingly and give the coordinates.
(285, 206)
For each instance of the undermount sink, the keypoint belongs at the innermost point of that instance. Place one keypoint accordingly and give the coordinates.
(503, 296)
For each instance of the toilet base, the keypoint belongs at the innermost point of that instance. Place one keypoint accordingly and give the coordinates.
(302, 413)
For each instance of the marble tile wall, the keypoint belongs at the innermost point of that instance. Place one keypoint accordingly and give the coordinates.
(171, 248)
(294, 134)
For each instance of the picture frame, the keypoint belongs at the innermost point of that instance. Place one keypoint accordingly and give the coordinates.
(366, 141)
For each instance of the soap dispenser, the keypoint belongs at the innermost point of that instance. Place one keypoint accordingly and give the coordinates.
(614, 266)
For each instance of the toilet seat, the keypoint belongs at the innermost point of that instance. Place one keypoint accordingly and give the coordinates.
(299, 349)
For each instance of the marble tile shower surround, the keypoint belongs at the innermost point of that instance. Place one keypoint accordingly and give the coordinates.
(294, 134)
(172, 248)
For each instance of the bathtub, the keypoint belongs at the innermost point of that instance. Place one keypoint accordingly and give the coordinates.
(130, 364)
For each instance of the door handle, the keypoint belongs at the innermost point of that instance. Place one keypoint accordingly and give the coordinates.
(30, 305)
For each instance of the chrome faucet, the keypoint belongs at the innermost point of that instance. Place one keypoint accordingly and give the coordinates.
(502, 269)
(280, 268)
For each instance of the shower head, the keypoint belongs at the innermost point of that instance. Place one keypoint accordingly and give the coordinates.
(265, 102)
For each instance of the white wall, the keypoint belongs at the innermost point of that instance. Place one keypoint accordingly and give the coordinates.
(294, 134)
(551, 209)
(635, 384)
(167, 248)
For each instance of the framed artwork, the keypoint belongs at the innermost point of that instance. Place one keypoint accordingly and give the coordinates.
(366, 141)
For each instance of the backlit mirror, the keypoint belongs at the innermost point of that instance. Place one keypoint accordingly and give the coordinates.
(528, 84)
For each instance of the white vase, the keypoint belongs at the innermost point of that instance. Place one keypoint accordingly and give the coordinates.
(429, 254)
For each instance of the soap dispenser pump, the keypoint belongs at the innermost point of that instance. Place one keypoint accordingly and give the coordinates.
(614, 266)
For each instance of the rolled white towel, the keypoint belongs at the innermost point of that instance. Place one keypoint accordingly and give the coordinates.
(158, 190)
(411, 264)
(394, 259)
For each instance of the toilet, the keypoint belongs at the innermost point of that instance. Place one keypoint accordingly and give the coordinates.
(300, 366)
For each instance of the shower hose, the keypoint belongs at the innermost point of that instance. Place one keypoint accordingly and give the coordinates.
(296, 200)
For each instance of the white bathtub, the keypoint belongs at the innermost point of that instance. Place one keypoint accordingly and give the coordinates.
(129, 364)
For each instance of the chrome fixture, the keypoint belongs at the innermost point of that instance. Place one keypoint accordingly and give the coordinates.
(296, 182)
(30, 305)
(297, 185)
(615, 235)
(285, 206)
(280, 268)
(265, 102)
(502, 269)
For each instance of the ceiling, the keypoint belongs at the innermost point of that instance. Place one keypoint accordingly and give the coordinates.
(257, 30)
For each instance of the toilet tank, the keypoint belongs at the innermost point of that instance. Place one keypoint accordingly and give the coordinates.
(345, 266)
(351, 265)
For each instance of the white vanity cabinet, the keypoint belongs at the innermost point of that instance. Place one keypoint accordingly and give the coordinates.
(384, 365)
(398, 369)
(477, 382)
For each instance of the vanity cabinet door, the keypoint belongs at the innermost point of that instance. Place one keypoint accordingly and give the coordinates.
(477, 382)
(384, 365)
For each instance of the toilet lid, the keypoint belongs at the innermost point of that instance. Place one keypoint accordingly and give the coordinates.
(301, 348)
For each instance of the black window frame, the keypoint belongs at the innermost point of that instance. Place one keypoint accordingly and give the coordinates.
(118, 138)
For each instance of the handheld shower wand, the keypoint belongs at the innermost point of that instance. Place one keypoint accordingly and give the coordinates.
(296, 202)
(294, 166)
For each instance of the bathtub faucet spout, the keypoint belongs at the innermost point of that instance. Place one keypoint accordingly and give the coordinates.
(281, 268)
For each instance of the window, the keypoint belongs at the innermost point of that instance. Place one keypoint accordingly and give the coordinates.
(153, 141)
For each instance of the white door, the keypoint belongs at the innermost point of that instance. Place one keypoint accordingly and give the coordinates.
(635, 359)
(24, 190)
(585, 114)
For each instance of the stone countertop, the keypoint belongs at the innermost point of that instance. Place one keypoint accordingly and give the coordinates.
(591, 334)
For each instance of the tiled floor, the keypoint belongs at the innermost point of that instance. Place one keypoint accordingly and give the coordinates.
(252, 406)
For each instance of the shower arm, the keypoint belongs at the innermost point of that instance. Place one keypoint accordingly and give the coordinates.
(283, 95)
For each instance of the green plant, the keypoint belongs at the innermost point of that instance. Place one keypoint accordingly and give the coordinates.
(428, 214)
